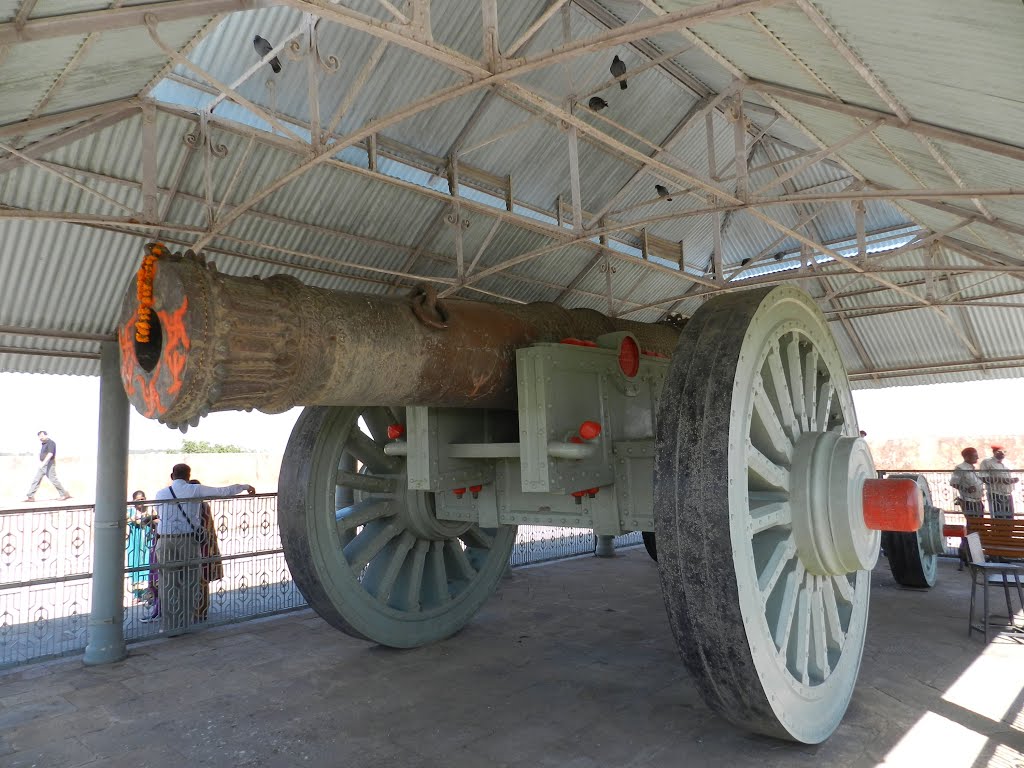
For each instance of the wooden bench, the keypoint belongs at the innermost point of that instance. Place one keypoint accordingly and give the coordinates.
(1000, 537)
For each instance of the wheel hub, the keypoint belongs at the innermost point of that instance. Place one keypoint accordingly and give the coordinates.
(932, 540)
(828, 475)
(418, 514)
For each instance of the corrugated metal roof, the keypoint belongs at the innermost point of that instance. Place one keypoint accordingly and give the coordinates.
(341, 226)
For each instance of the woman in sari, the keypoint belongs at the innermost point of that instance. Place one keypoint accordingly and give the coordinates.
(138, 540)
(212, 568)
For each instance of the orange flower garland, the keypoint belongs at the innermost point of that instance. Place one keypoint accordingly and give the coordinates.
(144, 290)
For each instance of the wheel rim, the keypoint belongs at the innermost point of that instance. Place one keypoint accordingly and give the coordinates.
(368, 554)
(779, 647)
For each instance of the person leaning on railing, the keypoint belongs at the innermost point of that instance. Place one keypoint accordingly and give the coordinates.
(178, 546)
(968, 484)
(999, 482)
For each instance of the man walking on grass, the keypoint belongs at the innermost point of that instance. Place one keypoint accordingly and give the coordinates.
(47, 468)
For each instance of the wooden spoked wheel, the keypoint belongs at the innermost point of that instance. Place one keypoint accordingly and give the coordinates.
(369, 555)
(762, 549)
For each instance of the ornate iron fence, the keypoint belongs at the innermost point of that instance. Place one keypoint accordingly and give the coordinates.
(46, 572)
(253, 578)
(45, 581)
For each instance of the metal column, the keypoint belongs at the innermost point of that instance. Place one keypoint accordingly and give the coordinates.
(106, 627)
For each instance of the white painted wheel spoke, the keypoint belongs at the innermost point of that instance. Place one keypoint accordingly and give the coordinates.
(770, 515)
(437, 576)
(836, 635)
(477, 538)
(779, 392)
(811, 387)
(803, 631)
(400, 549)
(766, 469)
(369, 542)
(844, 588)
(377, 420)
(363, 512)
(778, 441)
(819, 652)
(371, 454)
(784, 552)
(791, 354)
(825, 393)
(361, 481)
(787, 609)
(406, 595)
(458, 560)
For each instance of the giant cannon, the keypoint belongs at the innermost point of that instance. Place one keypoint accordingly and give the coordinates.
(433, 428)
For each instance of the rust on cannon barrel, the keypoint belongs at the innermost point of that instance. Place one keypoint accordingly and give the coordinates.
(194, 340)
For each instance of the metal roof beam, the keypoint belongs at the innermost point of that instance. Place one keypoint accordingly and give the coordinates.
(693, 114)
(69, 136)
(708, 12)
(917, 127)
(960, 366)
(25, 127)
(888, 194)
(87, 22)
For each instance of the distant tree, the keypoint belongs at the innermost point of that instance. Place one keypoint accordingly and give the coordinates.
(204, 446)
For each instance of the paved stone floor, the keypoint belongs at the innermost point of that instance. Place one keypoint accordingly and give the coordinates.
(570, 664)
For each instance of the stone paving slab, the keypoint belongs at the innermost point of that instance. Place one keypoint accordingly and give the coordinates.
(570, 664)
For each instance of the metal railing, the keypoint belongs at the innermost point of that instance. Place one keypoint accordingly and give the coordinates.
(46, 572)
(255, 580)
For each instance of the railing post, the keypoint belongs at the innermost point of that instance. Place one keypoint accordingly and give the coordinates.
(106, 622)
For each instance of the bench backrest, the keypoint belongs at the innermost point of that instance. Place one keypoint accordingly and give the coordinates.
(1003, 537)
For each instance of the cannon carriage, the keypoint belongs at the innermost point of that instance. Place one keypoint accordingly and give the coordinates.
(434, 428)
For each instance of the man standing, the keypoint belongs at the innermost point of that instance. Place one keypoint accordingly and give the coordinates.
(968, 484)
(47, 468)
(178, 546)
(1000, 484)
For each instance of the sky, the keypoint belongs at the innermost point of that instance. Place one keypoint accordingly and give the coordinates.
(67, 407)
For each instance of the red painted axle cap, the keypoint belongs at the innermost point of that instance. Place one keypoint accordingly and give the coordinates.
(893, 505)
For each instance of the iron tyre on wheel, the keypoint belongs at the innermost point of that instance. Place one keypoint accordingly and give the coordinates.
(369, 555)
(755, 426)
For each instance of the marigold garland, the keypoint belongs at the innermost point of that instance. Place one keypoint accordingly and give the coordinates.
(144, 290)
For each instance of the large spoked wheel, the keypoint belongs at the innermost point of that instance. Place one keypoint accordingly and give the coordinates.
(914, 557)
(762, 549)
(369, 555)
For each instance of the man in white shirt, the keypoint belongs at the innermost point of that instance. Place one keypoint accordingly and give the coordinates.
(968, 484)
(999, 482)
(179, 532)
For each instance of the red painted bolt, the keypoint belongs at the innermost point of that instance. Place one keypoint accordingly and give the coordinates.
(475, 490)
(578, 496)
(592, 492)
(459, 492)
(395, 431)
(589, 430)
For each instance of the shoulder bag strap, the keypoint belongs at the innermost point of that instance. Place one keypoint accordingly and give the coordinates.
(180, 509)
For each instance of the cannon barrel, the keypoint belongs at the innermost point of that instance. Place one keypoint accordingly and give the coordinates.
(215, 342)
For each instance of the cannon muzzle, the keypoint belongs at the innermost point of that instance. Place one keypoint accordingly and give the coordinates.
(194, 340)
